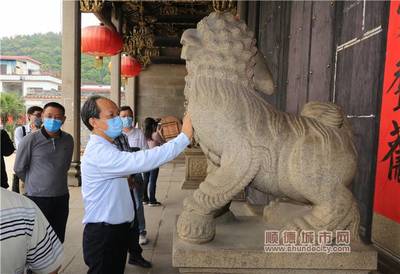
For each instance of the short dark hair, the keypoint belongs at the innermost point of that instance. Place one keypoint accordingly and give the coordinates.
(55, 105)
(90, 109)
(125, 108)
(33, 109)
(150, 126)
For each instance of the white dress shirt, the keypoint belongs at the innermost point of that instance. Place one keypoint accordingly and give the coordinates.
(19, 134)
(136, 138)
(105, 169)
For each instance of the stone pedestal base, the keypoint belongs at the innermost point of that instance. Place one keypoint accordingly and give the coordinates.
(74, 174)
(196, 168)
(238, 247)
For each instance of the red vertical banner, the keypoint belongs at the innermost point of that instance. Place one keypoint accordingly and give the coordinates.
(387, 180)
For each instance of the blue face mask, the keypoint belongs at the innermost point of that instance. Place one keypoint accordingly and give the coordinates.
(38, 122)
(114, 127)
(127, 122)
(52, 125)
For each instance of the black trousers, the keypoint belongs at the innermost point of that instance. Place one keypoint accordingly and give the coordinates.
(105, 247)
(15, 183)
(56, 210)
(134, 248)
(150, 185)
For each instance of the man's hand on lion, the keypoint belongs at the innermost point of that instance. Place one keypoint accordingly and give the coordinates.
(187, 126)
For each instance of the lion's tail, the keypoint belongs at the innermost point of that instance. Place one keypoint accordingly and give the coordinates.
(330, 115)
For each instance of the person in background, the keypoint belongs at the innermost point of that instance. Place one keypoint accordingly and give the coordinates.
(109, 210)
(154, 139)
(134, 182)
(7, 148)
(136, 140)
(27, 240)
(42, 162)
(34, 116)
(135, 135)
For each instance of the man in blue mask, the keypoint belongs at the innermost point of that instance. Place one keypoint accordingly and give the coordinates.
(42, 162)
(137, 141)
(109, 209)
(132, 139)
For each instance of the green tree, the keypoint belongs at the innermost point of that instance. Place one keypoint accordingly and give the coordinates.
(46, 48)
(11, 105)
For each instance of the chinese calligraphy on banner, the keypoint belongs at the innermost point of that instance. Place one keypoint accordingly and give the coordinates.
(387, 181)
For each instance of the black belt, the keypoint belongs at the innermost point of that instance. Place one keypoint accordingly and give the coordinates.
(108, 224)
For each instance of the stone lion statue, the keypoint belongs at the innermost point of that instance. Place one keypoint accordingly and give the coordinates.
(308, 158)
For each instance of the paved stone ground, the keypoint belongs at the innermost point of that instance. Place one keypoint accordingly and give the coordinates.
(159, 223)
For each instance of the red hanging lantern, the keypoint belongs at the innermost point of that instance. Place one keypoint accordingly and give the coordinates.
(130, 67)
(100, 41)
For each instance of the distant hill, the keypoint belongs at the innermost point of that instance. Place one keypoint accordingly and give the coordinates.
(46, 48)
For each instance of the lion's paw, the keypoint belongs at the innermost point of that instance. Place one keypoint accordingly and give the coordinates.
(196, 228)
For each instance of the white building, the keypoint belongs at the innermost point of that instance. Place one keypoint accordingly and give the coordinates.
(21, 74)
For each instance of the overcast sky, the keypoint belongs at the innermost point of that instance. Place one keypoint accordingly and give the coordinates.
(34, 16)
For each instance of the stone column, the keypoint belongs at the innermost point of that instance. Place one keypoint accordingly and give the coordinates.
(130, 92)
(116, 64)
(242, 10)
(71, 81)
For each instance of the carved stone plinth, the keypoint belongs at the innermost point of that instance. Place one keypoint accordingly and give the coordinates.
(196, 168)
(238, 247)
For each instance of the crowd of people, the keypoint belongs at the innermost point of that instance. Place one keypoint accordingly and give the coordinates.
(119, 170)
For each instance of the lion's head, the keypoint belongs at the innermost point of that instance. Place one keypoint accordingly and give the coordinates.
(223, 48)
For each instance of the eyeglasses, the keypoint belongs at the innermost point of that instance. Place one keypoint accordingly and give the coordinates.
(37, 115)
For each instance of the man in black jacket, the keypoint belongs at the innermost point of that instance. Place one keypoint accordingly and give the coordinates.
(7, 148)
(134, 248)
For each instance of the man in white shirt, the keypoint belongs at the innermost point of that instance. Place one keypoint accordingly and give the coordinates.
(108, 205)
(33, 115)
